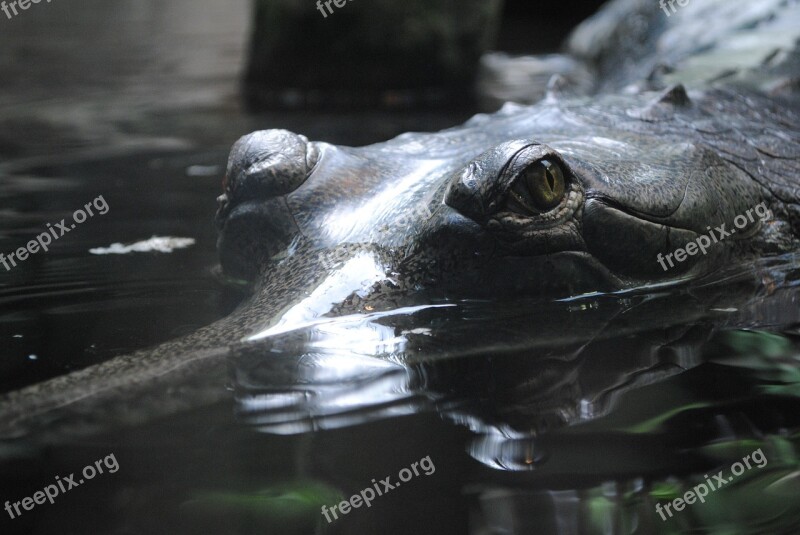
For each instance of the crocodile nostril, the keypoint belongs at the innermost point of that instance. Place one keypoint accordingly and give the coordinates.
(223, 208)
(268, 163)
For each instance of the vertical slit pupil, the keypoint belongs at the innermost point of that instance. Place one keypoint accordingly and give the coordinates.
(550, 180)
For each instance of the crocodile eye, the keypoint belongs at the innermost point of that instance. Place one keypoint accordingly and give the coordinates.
(538, 188)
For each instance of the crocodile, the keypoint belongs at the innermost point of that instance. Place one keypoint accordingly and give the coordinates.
(686, 128)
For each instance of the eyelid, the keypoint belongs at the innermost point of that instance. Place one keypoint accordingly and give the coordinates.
(479, 188)
(523, 159)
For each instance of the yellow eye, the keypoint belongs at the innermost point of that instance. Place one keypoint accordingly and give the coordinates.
(540, 187)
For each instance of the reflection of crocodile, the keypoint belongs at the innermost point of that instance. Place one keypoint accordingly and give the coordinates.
(573, 194)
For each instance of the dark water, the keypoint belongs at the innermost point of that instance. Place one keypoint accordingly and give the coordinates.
(525, 416)
(533, 416)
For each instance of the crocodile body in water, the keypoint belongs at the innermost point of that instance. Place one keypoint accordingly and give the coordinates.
(685, 130)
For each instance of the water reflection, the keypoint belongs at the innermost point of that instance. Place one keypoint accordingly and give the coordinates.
(585, 413)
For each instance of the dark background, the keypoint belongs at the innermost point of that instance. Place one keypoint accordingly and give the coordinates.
(540, 26)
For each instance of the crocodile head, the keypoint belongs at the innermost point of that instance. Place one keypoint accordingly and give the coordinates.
(564, 196)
